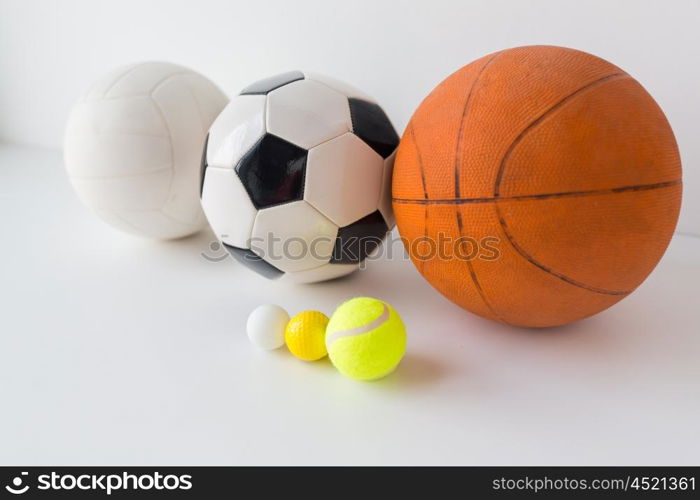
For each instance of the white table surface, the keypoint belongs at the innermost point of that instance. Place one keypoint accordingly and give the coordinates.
(117, 350)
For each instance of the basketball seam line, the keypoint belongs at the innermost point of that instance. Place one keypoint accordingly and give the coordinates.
(458, 151)
(499, 178)
(475, 279)
(458, 155)
(548, 270)
(540, 119)
(411, 132)
(543, 196)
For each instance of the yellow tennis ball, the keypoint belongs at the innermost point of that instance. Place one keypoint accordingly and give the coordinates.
(365, 338)
(306, 335)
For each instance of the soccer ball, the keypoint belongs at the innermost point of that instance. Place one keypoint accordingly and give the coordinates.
(296, 177)
(133, 147)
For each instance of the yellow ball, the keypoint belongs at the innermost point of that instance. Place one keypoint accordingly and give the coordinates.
(365, 338)
(306, 335)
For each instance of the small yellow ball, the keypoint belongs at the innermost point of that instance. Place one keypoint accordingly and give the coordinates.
(306, 335)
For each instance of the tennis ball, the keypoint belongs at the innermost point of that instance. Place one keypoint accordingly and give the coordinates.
(365, 338)
(305, 335)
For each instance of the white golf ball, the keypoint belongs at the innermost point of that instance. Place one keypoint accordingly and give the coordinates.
(266, 326)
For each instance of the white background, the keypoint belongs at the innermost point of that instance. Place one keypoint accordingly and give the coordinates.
(397, 51)
(117, 350)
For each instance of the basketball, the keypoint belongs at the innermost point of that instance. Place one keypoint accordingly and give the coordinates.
(537, 186)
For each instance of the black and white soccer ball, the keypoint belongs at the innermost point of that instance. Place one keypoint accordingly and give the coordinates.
(296, 177)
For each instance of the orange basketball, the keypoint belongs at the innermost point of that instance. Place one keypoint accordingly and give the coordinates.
(537, 186)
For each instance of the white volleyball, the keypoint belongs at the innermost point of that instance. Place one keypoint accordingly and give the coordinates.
(133, 147)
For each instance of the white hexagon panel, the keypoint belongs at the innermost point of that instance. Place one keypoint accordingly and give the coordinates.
(307, 113)
(344, 179)
(293, 237)
(239, 126)
(226, 204)
(309, 159)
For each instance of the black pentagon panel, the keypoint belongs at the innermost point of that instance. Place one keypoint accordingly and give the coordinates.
(273, 172)
(267, 85)
(370, 123)
(254, 262)
(357, 240)
(203, 166)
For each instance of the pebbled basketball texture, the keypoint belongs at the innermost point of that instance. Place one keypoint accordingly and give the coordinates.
(560, 158)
